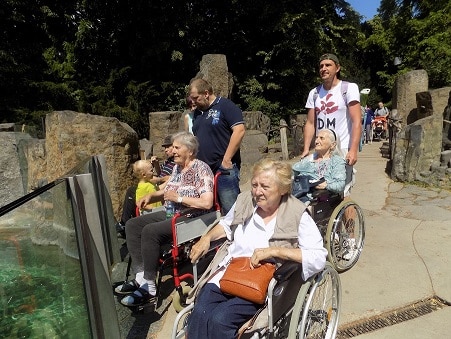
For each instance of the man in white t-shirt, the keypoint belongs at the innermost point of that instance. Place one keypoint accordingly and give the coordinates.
(336, 107)
(329, 106)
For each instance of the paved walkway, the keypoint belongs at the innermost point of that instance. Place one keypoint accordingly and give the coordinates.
(405, 259)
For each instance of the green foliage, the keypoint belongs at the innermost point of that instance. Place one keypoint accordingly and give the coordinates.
(251, 92)
(126, 59)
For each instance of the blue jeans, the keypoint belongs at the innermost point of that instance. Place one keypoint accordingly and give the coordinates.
(217, 315)
(228, 187)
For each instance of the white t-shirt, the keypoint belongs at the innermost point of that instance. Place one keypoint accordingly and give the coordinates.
(332, 111)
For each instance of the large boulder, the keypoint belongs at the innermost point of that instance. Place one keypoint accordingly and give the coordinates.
(404, 96)
(12, 166)
(253, 148)
(73, 137)
(214, 69)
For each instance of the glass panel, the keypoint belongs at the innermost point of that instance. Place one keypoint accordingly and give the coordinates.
(41, 286)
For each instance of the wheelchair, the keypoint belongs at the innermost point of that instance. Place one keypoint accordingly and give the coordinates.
(340, 221)
(379, 128)
(313, 310)
(175, 256)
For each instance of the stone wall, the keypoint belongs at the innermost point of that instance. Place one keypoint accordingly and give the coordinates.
(446, 137)
(418, 155)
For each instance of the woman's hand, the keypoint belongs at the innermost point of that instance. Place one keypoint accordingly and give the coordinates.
(321, 186)
(144, 201)
(260, 254)
(199, 248)
(171, 196)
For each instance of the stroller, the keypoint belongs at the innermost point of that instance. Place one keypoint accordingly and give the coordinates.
(379, 127)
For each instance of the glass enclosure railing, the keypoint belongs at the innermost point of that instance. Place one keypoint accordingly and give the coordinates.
(55, 258)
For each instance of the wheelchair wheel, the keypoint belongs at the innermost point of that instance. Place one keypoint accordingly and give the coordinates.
(316, 311)
(296, 315)
(176, 300)
(345, 235)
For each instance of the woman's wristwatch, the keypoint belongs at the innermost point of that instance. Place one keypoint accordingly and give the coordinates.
(180, 199)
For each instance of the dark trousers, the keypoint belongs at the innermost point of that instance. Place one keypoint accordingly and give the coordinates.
(145, 235)
(129, 206)
(216, 315)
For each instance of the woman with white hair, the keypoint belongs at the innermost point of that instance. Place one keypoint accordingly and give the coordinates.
(190, 185)
(326, 163)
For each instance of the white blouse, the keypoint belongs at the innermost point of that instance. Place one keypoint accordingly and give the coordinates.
(255, 234)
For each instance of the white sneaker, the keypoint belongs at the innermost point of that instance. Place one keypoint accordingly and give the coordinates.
(350, 249)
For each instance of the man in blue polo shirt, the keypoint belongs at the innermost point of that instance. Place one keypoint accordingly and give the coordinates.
(218, 124)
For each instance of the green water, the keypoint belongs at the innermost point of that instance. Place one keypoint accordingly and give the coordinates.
(41, 292)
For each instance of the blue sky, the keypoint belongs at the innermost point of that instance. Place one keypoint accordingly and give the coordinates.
(367, 8)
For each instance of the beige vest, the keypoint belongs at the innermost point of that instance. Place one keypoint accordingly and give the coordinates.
(285, 231)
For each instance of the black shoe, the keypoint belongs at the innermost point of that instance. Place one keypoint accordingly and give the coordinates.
(138, 298)
(120, 229)
(127, 287)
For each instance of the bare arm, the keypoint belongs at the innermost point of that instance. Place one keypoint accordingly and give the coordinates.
(185, 122)
(150, 198)
(234, 145)
(205, 201)
(159, 180)
(309, 131)
(355, 115)
(201, 247)
(260, 254)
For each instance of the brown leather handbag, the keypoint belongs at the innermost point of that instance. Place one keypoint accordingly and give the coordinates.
(242, 281)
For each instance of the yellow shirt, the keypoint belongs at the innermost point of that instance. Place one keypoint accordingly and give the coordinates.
(146, 188)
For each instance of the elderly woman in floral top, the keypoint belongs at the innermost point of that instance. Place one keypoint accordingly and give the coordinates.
(190, 185)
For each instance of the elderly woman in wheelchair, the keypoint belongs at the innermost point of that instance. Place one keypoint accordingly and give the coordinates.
(324, 169)
(190, 185)
(319, 181)
(265, 225)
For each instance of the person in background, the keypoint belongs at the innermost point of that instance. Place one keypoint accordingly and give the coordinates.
(190, 185)
(219, 126)
(189, 115)
(381, 110)
(266, 224)
(368, 121)
(164, 170)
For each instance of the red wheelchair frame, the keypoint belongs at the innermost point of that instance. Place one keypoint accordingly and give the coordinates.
(184, 234)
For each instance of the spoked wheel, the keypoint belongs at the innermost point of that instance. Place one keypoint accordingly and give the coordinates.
(345, 235)
(316, 311)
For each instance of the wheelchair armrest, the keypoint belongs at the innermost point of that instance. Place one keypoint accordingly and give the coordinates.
(186, 211)
(320, 192)
(287, 269)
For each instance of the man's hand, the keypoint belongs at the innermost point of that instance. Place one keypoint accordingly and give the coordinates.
(351, 158)
(227, 164)
(304, 154)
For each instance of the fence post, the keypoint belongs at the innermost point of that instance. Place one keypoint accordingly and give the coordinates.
(283, 139)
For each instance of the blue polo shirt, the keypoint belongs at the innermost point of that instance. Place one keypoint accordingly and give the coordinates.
(213, 129)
